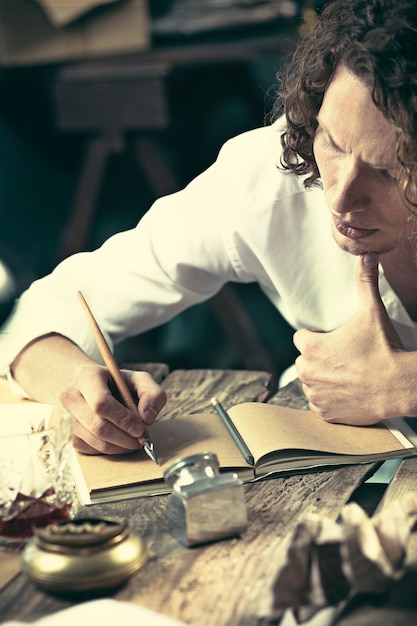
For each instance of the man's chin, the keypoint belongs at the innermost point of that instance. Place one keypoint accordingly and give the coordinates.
(351, 247)
(358, 248)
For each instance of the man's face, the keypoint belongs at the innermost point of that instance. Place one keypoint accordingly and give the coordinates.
(354, 147)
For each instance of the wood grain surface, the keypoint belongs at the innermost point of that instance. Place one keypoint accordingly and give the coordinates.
(228, 582)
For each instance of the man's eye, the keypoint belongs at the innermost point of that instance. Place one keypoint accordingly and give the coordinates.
(329, 145)
(388, 176)
(333, 150)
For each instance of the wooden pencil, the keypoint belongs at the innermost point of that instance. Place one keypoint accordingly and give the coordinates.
(116, 374)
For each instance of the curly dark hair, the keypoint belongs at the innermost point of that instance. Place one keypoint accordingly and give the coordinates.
(377, 41)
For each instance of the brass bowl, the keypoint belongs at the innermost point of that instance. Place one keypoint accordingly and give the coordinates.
(85, 554)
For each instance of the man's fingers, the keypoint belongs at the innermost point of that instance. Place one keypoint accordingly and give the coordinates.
(101, 423)
(97, 432)
(304, 338)
(152, 398)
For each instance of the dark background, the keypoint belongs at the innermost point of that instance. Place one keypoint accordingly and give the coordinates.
(39, 168)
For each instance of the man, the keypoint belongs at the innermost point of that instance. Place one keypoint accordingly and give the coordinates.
(349, 139)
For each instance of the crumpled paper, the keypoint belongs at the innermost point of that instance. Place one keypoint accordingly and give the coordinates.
(329, 562)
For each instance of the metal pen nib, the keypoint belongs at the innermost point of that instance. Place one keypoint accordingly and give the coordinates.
(150, 451)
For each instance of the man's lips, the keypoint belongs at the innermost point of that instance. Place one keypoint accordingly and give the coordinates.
(352, 232)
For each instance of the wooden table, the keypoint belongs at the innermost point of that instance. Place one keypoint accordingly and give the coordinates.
(229, 582)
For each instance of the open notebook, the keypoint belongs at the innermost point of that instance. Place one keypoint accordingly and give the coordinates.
(281, 440)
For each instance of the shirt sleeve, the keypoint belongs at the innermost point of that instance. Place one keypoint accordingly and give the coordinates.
(179, 254)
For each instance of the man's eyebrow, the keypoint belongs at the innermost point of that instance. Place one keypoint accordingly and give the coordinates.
(393, 166)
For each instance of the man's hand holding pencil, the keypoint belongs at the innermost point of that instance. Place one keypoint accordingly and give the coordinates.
(148, 413)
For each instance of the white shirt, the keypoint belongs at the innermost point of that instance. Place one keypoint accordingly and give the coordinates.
(242, 220)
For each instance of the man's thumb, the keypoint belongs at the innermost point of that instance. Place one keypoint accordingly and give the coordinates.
(370, 298)
(367, 276)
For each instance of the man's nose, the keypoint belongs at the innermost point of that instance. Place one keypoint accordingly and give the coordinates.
(350, 191)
